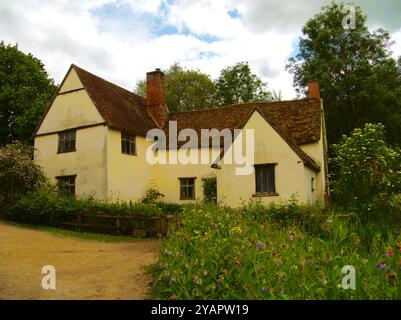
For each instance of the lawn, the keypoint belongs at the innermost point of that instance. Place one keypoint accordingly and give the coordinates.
(76, 234)
(275, 253)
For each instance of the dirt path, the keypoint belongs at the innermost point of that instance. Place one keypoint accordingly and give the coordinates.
(85, 269)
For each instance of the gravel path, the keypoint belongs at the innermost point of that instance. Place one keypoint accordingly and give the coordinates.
(85, 269)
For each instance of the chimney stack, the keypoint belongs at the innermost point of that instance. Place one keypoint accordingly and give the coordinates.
(155, 101)
(314, 91)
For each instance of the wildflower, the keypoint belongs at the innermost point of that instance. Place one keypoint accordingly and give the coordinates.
(282, 246)
(291, 235)
(381, 265)
(173, 281)
(166, 275)
(389, 253)
(324, 281)
(261, 246)
(266, 290)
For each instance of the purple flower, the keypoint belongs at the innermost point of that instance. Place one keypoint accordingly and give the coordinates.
(174, 281)
(380, 265)
(260, 246)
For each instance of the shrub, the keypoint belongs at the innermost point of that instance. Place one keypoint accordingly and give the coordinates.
(151, 196)
(45, 207)
(366, 172)
(210, 189)
(286, 213)
(19, 174)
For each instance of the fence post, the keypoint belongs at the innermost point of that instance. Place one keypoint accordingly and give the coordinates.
(163, 225)
(118, 224)
(78, 222)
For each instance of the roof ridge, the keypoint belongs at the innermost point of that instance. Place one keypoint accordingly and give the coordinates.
(241, 104)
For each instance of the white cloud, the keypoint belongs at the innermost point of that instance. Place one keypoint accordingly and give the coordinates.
(123, 39)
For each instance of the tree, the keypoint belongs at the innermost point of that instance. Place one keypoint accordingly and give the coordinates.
(19, 174)
(359, 80)
(185, 90)
(25, 91)
(367, 171)
(237, 84)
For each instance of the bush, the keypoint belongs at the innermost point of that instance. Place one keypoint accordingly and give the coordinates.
(151, 196)
(210, 189)
(45, 207)
(19, 174)
(366, 172)
(285, 213)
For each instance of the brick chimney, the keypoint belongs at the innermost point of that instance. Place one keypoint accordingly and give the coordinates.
(155, 101)
(314, 91)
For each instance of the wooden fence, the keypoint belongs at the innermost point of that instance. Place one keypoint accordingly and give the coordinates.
(137, 226)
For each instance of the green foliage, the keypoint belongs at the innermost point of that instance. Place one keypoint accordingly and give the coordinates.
(210, 189)
(367, 172)
(185, 90)
(151, 196)
(237, 84)
(18, 172)
(359, 80)
(188, 90)
(285, 213)
(45, 207)
(25, 91)
(221, 253)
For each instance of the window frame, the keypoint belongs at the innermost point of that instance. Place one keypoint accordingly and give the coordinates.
(187, 185)
(63, 142)
(71, 186)
(128, 141)
(266, 192)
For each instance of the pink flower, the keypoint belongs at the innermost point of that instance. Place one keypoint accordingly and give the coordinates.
(389, 253)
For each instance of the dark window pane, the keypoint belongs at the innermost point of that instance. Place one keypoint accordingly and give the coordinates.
(187, 188)
(128, 143)
(66, 141)
(66, 186)
(265, 178)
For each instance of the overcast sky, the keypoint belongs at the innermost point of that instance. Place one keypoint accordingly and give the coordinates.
(121, 40)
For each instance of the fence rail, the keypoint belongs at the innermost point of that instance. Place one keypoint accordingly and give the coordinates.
(140, 226)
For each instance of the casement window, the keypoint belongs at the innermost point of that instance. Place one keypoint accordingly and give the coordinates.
(312, 184)
(187, 188)
(128, 145)
(66, 185)
(66, 141)
(265, 179)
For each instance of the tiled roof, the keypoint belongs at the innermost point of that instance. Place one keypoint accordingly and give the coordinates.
(120, 108)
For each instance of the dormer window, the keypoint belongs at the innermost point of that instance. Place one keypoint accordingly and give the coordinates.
(66, 141)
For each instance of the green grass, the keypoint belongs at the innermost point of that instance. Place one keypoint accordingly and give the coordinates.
(75, 234)
(220, 253)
